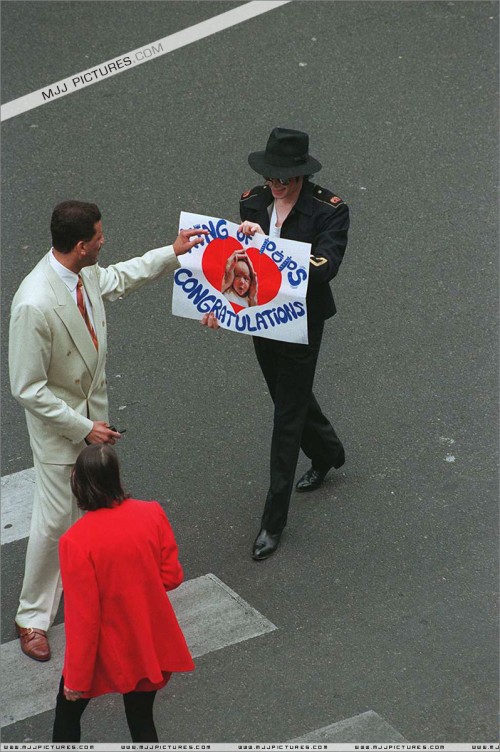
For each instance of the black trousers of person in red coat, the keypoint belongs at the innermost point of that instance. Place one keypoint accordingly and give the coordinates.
(138, 711)
(289, 369)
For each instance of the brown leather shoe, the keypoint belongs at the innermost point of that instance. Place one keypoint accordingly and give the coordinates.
(34, 642)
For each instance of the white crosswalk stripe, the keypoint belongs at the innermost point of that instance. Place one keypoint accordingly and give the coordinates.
(365, 727)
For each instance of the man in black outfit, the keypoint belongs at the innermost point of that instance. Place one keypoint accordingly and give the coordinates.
(289, 206)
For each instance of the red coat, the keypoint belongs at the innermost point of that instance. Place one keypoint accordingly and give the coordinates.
(116, 565)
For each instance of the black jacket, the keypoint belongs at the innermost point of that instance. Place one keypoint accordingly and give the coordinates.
(319, 217)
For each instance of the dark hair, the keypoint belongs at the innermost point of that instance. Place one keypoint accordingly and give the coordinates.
(71, 222)
(95, 480)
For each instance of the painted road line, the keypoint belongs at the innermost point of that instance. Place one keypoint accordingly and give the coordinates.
(143, 54)
(367, 727)
(17, 503)
(211, 615)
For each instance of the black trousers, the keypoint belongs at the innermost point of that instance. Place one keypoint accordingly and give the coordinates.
(138, 711)
(289, 369)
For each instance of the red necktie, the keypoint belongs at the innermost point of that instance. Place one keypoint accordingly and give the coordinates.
(80, 301)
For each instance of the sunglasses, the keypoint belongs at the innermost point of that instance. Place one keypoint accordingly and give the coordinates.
(281, 181)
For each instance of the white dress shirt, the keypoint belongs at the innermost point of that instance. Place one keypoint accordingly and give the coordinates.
(274, 231)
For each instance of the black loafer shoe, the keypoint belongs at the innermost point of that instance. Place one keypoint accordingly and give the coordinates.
(311, 480)
(265, 545)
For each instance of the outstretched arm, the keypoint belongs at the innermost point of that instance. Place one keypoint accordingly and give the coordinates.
(120, 279)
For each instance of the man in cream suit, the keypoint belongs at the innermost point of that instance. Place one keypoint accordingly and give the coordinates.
(57, 357)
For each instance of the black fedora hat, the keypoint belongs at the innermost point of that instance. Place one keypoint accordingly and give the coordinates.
(286, 155)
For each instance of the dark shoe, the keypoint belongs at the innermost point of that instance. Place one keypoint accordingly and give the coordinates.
(34, 643)
(265, 545)
(311, 480)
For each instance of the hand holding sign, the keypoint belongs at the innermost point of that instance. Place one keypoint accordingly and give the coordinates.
(250, 228)
(210, 320)
(187, 239)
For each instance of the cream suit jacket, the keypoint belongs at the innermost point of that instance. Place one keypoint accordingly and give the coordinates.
(55, 371)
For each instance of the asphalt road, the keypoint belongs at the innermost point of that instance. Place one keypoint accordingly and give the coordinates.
(385, 586)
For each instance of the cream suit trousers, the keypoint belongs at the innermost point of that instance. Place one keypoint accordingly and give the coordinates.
(54, 511)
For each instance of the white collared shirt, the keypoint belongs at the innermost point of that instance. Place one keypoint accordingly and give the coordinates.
(70, 279)
(274, 231)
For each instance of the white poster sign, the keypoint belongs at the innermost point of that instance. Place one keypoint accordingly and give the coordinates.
(254, 285)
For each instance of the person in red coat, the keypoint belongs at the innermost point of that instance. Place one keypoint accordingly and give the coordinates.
(122, 635)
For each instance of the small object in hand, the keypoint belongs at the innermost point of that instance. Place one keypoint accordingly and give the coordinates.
(119, 430)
